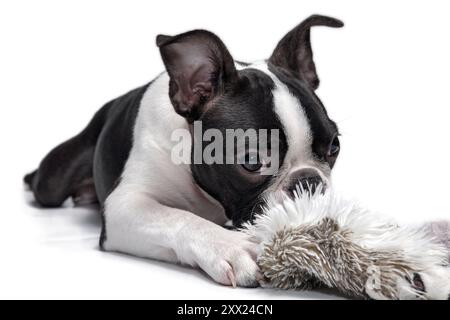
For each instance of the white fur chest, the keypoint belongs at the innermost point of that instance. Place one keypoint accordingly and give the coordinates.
(150, 168)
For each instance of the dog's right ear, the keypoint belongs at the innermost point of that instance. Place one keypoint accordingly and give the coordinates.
(294, 53)
(199, 66)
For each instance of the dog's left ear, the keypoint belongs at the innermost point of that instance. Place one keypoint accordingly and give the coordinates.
(294, 54)
(200, 68)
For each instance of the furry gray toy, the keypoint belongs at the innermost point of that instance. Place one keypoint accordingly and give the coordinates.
(325, 240)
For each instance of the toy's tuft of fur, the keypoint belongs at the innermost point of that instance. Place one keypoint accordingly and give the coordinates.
(322, 239)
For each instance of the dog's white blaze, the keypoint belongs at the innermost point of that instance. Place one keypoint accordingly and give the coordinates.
(296, 128)
(295, 124)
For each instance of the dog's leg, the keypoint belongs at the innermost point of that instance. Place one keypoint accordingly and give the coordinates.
(138, 225)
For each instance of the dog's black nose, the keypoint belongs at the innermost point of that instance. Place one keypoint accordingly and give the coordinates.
(305, 180)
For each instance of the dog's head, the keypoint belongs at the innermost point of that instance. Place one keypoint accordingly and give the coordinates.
(207, 86)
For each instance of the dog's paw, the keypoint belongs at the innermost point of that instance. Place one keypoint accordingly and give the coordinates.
(229, 257)
(433, 284)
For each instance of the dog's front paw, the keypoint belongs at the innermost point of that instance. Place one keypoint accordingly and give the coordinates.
(229, 257)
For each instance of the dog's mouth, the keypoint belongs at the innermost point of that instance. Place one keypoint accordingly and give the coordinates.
(305, 180)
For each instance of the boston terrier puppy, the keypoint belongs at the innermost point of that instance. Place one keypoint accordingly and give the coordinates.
(157, 207)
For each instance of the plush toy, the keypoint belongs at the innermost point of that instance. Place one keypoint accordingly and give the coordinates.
(322, 239)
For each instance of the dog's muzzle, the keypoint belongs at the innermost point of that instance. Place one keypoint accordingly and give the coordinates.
(304, 180)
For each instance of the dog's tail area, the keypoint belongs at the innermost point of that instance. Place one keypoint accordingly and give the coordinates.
(66, 171)
(28, 178)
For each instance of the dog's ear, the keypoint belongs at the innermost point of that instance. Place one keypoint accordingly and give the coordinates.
(199, 66)
(294, 54)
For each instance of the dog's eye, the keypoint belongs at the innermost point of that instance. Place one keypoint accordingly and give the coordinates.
(252, 163)
(334, 147)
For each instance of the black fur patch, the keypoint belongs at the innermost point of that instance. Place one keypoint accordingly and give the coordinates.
(247, 105)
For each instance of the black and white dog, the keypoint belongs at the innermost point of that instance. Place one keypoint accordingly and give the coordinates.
(155, 208)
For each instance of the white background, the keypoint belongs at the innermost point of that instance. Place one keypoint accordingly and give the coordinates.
(385, 80)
